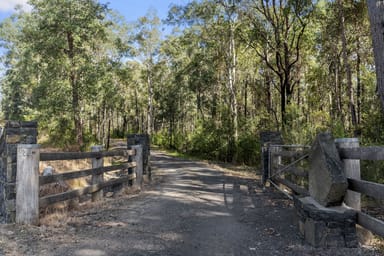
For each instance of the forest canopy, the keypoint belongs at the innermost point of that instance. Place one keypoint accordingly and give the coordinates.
(229, 70)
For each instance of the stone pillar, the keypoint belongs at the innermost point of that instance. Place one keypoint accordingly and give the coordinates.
(144, 140)
(267, 138)
(326, 226)
(13, 133)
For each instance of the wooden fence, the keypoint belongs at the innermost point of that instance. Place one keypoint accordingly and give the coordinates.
(284, 169)
(29, 180)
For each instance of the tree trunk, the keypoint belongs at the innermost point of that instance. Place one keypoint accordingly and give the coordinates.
(358, 82)
(351, 104)
(246, 99)
(150, 103)
(76, 112)
(108, 133)
(283, 102)
(137, 113)
(125, 125)
(232, 88)
(376, 17)
(75, 92)
(268, 84)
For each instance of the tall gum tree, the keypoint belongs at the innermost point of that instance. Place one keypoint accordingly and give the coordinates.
(214, 24)
(230, 11)
(63, 36)
(348, 68)
(376, 17)
(276, 35)
(148, 44)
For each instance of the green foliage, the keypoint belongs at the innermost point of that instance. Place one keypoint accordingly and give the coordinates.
(60, 132)
(373, 128)
(209, 142)
(60, 56)
(249, 149)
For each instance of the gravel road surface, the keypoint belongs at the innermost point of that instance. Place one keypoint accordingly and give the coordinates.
(190, 208)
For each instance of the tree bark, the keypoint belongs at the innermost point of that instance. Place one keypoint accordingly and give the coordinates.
(150, 103)
(351, 105)
(75, 92)
(137, 113)
(376, 17)
(232, 88)
(358, 82)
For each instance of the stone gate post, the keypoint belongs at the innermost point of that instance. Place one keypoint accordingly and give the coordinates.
(12, 134)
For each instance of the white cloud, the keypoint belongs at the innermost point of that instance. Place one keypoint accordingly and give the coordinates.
(9, 5)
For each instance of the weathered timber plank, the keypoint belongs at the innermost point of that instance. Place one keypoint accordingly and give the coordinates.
(139, 165)
(371, 223)
(27, 184)
(52, 199)
(372, 189)
(295, 170)
(283, 153)
(97, 178)
(295, 188)
(82, 173)
(352, 170)
(83, 155)
(362, 153)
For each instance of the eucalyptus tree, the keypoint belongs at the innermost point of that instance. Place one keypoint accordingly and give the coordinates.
(65, 35)
(348, 69)
(14, 83)
(230, 12)
(276, 35)
(212, 26)
(61, 47)
(148, 44)
(376, 17)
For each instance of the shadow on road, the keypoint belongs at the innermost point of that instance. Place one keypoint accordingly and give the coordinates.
(190, 209)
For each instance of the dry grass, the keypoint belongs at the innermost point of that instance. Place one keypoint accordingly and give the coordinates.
(72, 165)
(58, 215)
(70, 212)
(55, 219)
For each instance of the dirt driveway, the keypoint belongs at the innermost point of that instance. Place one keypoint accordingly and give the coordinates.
(191, 209)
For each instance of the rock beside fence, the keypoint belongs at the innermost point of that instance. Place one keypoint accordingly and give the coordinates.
(327, 181)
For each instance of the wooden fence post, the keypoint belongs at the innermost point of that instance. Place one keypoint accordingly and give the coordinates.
(139, 165)
(27, 184)
(352, 170)
(97, 178)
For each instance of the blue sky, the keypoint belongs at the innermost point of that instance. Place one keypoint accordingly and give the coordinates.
(130, 9)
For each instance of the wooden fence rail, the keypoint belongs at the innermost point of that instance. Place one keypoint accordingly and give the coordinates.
(351, 154)
(83, 155)
(363, 153)
(82, 173)
(29, 180)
